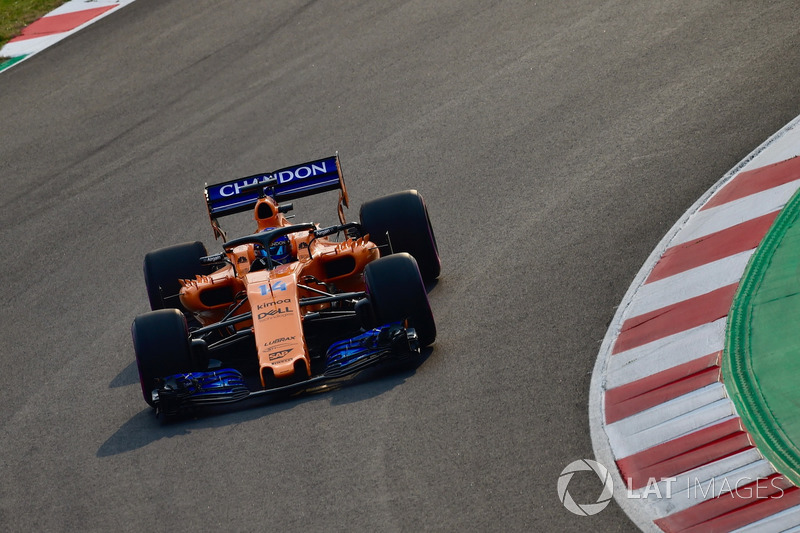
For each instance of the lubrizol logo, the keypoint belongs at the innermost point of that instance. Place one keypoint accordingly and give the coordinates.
(585, 509)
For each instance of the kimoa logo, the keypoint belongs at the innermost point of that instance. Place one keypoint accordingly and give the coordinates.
(585, 509)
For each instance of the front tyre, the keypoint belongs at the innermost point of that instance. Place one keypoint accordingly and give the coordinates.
(163, 268)
(396, 293)
(403, 216)
(162, 347)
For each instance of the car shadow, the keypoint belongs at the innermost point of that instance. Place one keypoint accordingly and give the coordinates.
(128, 376)
(144, 428)
(430, 285)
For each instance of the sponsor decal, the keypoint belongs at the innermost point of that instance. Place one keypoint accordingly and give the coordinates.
(290, 182)
(233, 189)
(273, 304)
(301, 173)
(264, 315)
(279, 355)
(282, 176)
(326, 231)
(279, 340)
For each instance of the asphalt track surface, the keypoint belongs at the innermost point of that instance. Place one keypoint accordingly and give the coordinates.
(555, 143)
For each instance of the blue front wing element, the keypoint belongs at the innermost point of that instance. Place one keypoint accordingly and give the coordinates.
(350, 355)
(342, 358)
(201, 388)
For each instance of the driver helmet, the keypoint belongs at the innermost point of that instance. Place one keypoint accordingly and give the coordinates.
(280, 249)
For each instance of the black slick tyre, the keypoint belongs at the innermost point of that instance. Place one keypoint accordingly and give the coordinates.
(396, 293)
(403, 216)
(163, 268)
(162, 347)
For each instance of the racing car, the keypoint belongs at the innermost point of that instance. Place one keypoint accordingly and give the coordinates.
(291, 306)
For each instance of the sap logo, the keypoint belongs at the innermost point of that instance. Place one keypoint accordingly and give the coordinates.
(274, 312)
(279, 355)
(273, 304)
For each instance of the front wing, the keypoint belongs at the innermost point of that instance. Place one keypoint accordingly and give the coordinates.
(197, 389)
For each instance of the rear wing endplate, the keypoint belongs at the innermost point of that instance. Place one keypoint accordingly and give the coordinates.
(241, 194)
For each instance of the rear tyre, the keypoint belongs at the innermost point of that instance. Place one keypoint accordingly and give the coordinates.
(396, 292)
(404, 217)
(163, 268)
(162, 347)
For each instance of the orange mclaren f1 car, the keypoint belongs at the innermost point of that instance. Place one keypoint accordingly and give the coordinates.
(290, 306)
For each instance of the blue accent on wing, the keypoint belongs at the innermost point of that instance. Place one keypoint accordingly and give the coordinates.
(227, 385)
(284, 184)
(218, 386)
(344, 355)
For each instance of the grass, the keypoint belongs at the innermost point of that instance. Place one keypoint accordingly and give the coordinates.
(16, 14)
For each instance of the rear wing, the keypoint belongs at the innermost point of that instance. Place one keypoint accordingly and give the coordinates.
(241, 194)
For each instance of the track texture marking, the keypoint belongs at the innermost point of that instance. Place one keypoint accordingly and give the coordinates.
(555, 143)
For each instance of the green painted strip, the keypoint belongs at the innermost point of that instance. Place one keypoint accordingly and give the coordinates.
(761, 362)
(6, 62)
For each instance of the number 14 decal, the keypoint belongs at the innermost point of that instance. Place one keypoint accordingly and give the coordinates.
(277, 286)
